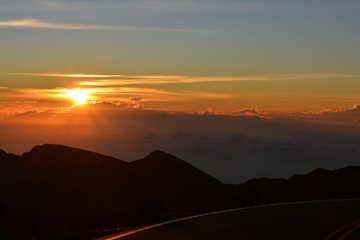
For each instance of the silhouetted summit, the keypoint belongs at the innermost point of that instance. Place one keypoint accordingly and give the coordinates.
(163, 166)
(165, 177)
(158, 154)
(69, 155)
(319, 172)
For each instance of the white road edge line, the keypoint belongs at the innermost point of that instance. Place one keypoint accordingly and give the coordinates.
(214, 213)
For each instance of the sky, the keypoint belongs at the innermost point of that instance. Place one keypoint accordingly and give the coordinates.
(188, 71)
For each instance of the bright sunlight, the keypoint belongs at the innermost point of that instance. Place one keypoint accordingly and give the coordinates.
(79, 96)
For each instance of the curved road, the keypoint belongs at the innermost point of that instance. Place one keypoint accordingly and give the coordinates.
(324, 220)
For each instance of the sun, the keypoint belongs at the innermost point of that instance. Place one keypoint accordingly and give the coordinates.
(79, 96)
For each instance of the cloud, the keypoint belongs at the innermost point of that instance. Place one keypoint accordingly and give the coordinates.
(136, 99)
(342, 116)
(130, 80)
(130, 104)
(342, 111)
(73, 75)
(232, 148)
(254, 111)
(104, 80)
(35, 23)
(116, 79)
(123, 80)
(59, 98)
(251, 111)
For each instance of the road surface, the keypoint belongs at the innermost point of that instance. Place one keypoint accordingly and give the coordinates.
(321, 220)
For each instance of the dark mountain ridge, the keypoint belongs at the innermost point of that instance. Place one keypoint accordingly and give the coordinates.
(67, 181)
(71, 186)
(320, 184)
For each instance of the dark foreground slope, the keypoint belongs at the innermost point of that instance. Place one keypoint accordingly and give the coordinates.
(56, 190)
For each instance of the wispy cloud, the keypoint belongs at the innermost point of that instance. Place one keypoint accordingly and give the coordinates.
(72, 75)
(130, 80)
(35, 23)
(114, 94)
(106, 80)
(156, 80)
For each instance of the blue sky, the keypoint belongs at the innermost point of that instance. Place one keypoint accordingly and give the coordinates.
(184, 37)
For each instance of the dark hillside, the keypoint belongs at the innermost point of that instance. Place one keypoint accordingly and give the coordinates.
(164, 177)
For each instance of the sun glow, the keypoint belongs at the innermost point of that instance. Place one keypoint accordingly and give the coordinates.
(79, 96)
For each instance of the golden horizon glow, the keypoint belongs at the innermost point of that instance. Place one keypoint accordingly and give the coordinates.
(281, 93)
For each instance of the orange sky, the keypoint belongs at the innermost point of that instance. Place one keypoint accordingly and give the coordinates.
(276, 94)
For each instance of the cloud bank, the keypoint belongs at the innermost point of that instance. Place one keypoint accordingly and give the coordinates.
(233, 148)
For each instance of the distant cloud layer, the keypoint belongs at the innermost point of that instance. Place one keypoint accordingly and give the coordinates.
(232, 147)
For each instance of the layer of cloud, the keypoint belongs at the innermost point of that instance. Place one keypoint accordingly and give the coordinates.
(35, 23)
(232, 148)
(342, 111)
(117, 91)
(341, 116)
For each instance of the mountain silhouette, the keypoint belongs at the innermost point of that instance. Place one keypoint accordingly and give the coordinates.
(57, 185)
(67, 181)
(320, 184)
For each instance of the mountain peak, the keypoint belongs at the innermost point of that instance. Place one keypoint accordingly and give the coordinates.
(2, 152)
(65, 154)
(158, 153)
(46, 147)
(319, 172)
(160, 157)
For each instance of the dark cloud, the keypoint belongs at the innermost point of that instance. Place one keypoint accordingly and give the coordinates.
(343, 111)
(342, 116)
(136, 99)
